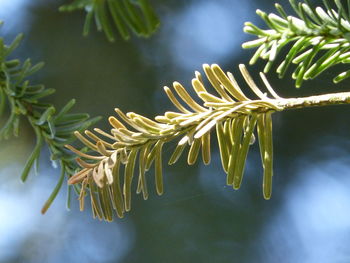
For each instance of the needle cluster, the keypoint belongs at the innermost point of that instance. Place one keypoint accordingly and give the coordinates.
(52, 127)
(318, 38)
(123, 16)
(135, 142)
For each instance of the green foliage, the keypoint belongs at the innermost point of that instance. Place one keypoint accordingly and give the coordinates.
(137, 141)
(53, 128)
(319, 39)
(123, 15)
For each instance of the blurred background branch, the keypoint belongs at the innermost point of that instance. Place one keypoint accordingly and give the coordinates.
(51, 127)
(124, 16)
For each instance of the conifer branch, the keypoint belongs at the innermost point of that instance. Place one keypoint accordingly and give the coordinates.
(51, 127)
(136, 141)
(109, 160)
(121, 15)
(319, 39)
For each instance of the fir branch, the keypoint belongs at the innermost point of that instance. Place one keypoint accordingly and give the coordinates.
(121, 15)
(51, 127)
(135, 139)
(319, 38)
(135, 142)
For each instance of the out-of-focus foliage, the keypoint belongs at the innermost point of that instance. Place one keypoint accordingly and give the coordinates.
(51, 126)
(136, 16)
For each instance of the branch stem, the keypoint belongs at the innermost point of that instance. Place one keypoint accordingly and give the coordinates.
(315, 101)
